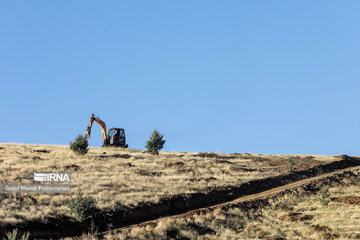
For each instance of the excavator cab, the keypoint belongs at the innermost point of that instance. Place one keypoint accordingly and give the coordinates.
(116, 136)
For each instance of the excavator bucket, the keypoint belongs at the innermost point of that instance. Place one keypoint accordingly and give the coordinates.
(88, 132)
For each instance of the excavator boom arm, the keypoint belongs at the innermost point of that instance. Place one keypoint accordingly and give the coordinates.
(100, 122)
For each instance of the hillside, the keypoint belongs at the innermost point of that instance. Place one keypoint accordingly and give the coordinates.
(133, 179)
(302, 213)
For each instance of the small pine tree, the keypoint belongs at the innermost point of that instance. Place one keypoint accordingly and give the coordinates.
(324, 197)
(80, 145)
(155, 143)
(82, 207)
(291, 164)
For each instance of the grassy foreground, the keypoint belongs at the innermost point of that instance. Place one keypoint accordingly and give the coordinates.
(128, 177)
(301, 214)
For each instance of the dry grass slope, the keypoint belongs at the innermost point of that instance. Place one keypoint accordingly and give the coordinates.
(296, 215)
(128, 177)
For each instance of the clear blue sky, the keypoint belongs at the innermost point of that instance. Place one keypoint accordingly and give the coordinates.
(273, 77)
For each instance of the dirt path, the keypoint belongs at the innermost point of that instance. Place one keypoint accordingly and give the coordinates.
(247, 198)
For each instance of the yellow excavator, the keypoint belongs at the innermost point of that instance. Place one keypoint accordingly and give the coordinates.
(114, 138)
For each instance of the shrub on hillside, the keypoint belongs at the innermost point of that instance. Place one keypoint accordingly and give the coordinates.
(82, 207)
(290, 164)
(155, 143)
(15, 235)
(324, 197)
(80, 145)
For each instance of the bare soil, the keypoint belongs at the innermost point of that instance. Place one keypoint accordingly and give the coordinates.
(355, 200)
